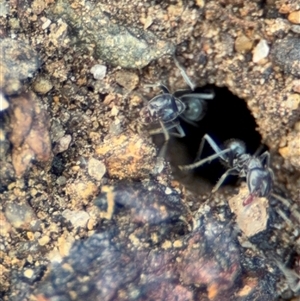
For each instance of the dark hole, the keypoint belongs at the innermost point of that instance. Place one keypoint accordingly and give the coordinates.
(227, 117)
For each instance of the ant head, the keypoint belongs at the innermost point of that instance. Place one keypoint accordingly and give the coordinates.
(259, 181)
(164, 108)
(237, 147)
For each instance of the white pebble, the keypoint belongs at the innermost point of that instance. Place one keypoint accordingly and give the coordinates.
(98, 71)
(3, 102)
(261, 51)
(46, 24)
(77, 218)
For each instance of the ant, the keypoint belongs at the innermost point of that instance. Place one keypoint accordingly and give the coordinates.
(165, 109)
(256, 169)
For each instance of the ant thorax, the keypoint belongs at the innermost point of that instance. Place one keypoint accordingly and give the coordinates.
(241, 163)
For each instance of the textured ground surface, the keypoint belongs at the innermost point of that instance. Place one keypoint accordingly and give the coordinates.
(87, 209)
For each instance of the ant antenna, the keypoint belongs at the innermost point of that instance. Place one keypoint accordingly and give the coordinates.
(184, 75)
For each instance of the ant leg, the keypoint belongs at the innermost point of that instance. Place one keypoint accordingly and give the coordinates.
(184, 75)
(265, 157)
(180, 130)
(231, 171)
(163, 149)
(208, 159)
(212, 144)
(218, 154)
(204, 96)
(167, 127)
(164, 89)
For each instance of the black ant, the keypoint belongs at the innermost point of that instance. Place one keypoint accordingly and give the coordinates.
(256, 169)
(165, 110)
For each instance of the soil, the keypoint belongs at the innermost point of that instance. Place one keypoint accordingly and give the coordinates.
(89, 207)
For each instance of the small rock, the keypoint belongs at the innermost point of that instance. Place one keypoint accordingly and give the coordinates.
(243, 44)
(293, 101)
(126, 79)
(42, 85)
(44, 240)
(3, 102)
(98, 71)
(295, 29)
(30, 134)
(61, 180)
(294, 17)
(38, 6)
(77, 218)
(14, 23)
(28, 273)
(46, 23)
(62, 144)
(19, 215)
(296, 86)
(261, 51)
(96, 169)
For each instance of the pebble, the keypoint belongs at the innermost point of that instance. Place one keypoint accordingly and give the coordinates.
(98, 71)
(44, 240)
(293, 101)
(19, 215)
(46, 23)
(127, 79)
(62, 144)
(243, 44)
(295, 28)
(42, 85)
(77, 218)
(28, 273)
(3, 102)
(61, 180)
(294, 17)
(261, 51)
(96, 169)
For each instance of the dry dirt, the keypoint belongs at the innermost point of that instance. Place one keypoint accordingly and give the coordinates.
(88, 210)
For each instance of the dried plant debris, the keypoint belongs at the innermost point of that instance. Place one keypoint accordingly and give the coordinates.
(30, 132)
